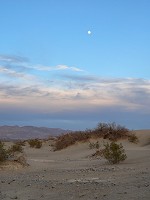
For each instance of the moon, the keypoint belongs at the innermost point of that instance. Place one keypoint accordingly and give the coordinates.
(89, 32)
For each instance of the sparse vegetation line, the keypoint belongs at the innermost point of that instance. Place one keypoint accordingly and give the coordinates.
(110, 131)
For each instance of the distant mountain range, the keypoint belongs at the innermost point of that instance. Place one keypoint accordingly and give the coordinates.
(28, 132)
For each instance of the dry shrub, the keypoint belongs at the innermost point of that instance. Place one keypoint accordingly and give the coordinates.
(133, 138)
(10, 155)
(114, 153)
(94, 145)
(68, 139)
(35, 143)
(15, 148)
(3, 153)
(110, 131)
(21, 143)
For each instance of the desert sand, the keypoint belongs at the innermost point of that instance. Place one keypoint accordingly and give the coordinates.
(72, 174)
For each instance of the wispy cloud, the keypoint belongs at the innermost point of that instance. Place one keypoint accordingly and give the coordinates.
(17, 68)
(15, 74)
(55, 68)
(12, 59)
(23, 63)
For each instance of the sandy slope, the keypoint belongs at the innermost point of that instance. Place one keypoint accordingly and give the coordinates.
(72, 174)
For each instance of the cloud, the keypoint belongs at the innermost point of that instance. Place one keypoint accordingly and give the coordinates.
(81, 78)
(13, 59)
(64, 67)
(69, 96)
(20, 67)
(131, 94)
(13, 91)
(10, 73)
(55, 68)
(17, 69)
(15, 74)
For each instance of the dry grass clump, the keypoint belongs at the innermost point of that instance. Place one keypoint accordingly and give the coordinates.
(15, 148)
(21, 142)
(110, 131)
(69, 139)
(94, 145)
(133, 138)
(3, 153)
(13, 154)
(114, 153)
(35, 143)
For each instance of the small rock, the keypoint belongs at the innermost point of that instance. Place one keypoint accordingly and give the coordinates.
(146, 185)
(14, 197)
(81, 195)
(11, 181)
(28, 185)
(2, 181)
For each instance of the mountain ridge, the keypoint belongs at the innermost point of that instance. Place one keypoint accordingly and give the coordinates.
(28, 132)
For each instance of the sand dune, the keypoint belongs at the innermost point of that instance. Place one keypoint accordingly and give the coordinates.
(144, 137)
(72, 174)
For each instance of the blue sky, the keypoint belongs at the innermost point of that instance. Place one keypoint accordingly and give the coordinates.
(53, 73)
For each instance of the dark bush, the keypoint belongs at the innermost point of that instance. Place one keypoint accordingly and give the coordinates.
(3, 153)
(94, 145)
(112, 131)
(21, 143)
(9, 154)
(68, 139)
(114, 152)
(35, 143)
(133, 138)
(15, 148)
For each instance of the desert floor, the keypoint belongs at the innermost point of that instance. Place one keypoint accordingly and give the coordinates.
(72, 174)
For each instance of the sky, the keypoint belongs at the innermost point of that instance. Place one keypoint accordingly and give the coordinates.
(53, 73)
